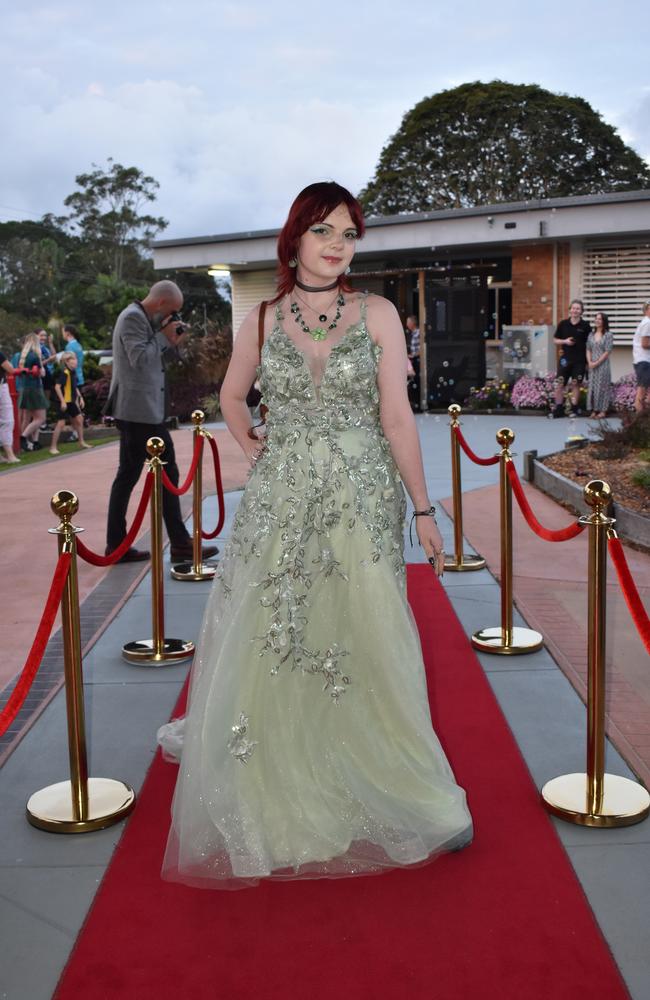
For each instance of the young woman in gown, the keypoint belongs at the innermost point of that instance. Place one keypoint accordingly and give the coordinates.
(307, 749)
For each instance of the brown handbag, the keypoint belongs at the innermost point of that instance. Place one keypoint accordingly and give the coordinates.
(260, 344)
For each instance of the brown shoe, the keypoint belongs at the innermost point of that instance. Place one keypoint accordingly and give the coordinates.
(132, 555)
(185, 553)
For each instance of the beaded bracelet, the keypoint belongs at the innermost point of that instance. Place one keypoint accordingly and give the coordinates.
(431, 512)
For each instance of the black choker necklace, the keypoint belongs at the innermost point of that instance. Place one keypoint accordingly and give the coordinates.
(317, 288)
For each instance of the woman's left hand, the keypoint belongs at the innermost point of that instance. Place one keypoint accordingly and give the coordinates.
(431, 541)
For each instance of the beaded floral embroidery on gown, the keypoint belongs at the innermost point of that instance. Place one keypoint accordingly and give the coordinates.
(308, 750)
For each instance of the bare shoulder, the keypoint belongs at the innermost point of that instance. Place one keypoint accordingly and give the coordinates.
(248, 330)
(384, 321)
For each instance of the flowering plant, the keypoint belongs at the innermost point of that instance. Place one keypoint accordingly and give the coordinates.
(534, 393)
(493, 396)
(623, 393)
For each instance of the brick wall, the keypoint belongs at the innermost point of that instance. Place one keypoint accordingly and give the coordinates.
(532, 283)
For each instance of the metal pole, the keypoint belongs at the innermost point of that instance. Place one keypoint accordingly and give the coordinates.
(506, 639)
(596, 798)
(458, 563)
(422, 322)
(158, 649)
(197, 569)
(81, 804)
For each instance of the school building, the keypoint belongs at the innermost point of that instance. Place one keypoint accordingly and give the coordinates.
(487, 284)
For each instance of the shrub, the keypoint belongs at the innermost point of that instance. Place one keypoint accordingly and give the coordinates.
(616, 442)
(534, 393)
(186, 396)
(642, 478)
(623, 393)
(494, 396)
(211, 406)
(95, 395)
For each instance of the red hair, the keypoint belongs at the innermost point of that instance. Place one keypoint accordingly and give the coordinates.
(313, 204)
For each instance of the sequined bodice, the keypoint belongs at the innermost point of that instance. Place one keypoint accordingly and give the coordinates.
(325, 495)
(346, 394)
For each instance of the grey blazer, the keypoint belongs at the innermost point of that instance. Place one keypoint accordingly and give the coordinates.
(137, 391)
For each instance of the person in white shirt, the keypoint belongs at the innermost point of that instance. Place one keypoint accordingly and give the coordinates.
(641, 359)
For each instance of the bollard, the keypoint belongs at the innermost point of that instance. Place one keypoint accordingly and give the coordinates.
(82, 804)
(596, 798)
(197, 569)
(459, 562)
(506, 639)
(158, 649)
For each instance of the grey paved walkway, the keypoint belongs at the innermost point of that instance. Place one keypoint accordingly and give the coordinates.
(47, 881)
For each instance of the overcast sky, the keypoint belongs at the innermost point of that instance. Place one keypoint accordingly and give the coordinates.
(233, 107)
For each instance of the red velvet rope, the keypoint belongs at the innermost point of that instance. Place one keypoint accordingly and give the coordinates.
(179, 490)
(35, 655)
(630, 592)
(557, 535)
(222, 505)
(470, 454)
(126, 543)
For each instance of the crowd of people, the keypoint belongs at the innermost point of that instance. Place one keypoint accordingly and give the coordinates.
(43, 376)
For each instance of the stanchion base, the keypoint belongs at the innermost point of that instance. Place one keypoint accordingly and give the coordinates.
(523, 640)
(467, 564)
(186, 571)
(109, 801)
(625, 802)
(142, 651)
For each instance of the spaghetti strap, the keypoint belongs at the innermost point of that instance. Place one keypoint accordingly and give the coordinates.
(363, 305)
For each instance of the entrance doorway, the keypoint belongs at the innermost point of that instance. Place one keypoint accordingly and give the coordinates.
(456, 331)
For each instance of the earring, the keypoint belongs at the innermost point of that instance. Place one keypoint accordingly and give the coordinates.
(348, 269)
(293, 262)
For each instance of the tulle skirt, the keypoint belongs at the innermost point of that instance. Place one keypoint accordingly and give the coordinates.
(319, 765)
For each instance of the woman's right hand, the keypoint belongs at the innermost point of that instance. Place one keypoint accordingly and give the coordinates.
(253, 450)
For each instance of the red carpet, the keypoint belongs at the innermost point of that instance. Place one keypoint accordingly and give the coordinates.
(503, 920)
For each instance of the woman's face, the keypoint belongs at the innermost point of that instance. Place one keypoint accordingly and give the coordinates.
(326, 249)
(598, 320)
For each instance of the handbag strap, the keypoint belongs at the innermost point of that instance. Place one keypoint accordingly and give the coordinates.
(260, 327)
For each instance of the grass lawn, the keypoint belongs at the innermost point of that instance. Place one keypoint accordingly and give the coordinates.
(30, 457)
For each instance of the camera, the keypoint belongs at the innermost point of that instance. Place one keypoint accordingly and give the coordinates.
(182, 327)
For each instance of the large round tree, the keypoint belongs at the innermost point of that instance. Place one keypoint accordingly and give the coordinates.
(483, 143)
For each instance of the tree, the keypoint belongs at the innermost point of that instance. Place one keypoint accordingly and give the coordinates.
(484, 143)
(107, 216)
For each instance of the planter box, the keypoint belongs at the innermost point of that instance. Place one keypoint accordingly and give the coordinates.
(632, 527)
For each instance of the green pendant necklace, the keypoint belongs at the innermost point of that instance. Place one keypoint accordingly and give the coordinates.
(319, 332)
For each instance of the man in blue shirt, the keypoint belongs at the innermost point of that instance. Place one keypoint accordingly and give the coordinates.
(72, 344)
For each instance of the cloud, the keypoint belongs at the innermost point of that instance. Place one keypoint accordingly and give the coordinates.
(220, 166)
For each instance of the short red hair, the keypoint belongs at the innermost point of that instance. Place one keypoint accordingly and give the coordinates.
(313, 204)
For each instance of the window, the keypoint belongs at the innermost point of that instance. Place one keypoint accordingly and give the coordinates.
(616, 280)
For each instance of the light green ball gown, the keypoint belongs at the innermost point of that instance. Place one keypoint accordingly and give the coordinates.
(307, 749)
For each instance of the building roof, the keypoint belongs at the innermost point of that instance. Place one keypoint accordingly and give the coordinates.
(483, 228)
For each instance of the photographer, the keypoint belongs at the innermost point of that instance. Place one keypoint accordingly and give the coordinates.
(144, 333)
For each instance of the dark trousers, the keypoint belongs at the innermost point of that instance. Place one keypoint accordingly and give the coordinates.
(133, 454)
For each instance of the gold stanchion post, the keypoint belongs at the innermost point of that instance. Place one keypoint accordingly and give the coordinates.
(596, 798)
(506, 639)
(82, 804)
(158, 649)
(459, 562)
(197, 569)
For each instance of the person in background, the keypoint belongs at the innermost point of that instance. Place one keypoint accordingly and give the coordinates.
(571, 337)
(6, 412)
(600, 344)
(69, 401)
(48, 354)
(145, 333)
(71, 338)
(641, 359)
(31, 399)
(413, 352)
